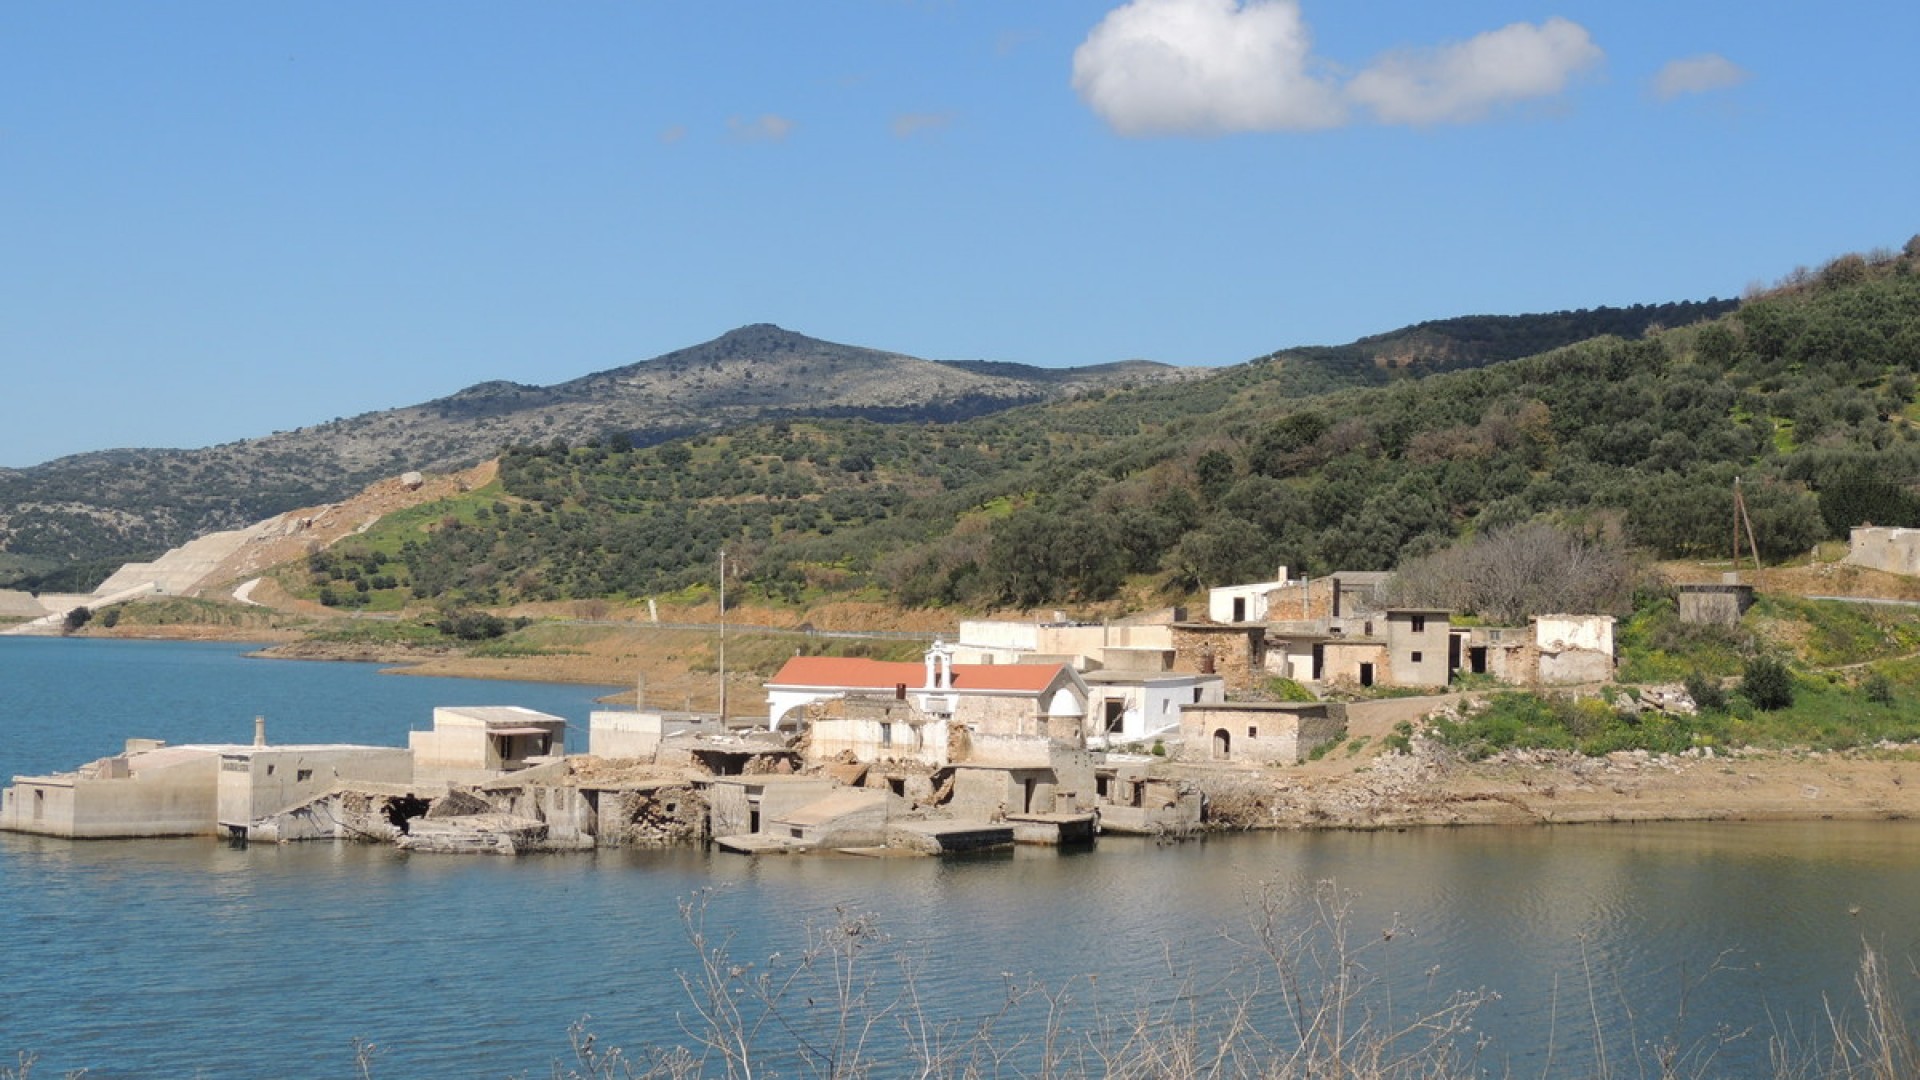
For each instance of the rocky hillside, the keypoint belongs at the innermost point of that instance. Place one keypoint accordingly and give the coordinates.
(121, 504)
(65, 524)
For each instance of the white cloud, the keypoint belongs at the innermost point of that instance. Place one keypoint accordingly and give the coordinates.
(1697, 75)
(907, 125)
(1156, 67)
(765, 128)
(1193, 67)
(1461, 82)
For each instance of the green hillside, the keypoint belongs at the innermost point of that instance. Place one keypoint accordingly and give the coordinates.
(1804, 393)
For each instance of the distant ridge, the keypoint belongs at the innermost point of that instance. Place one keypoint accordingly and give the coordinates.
(116, 505)
(1472, 341)
(65, 524)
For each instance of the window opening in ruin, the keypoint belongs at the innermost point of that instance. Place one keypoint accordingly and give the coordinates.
(303, 775)
(1252, 732)
(897, 785)
(886, 734)
(1419, 624)
(1416, 656)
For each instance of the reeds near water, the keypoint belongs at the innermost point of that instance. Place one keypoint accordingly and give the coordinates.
(1308, 1002)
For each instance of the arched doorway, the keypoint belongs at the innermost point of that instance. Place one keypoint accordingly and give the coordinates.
(1222, 745)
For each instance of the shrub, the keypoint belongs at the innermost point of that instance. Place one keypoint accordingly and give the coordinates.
(471, 625)
(1767, 684)
(1401, 739)
(1878, 689)
(1289, 690)
(1706, 692)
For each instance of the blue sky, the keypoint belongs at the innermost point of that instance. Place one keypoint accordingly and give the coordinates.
(224, 219)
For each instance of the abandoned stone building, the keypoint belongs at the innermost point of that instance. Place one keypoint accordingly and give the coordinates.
(1266, 733)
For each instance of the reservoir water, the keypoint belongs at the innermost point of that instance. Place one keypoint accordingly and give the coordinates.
(195, 958)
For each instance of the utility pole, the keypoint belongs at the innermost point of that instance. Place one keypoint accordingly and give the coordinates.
(1740, 518)
(723, 637)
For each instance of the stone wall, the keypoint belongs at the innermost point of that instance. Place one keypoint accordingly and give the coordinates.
(1721, 605)
(626, 736)
(1896, 551)
(1237, 655)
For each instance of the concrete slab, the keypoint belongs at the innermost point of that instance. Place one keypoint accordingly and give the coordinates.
(1053, 830)
(950, 837)
(762, 844)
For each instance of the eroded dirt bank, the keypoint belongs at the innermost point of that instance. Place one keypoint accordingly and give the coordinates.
(1535, 787)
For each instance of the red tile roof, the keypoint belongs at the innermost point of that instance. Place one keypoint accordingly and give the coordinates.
(859, 673)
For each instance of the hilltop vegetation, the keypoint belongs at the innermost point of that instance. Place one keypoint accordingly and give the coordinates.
(1804, 393)
(117, 505)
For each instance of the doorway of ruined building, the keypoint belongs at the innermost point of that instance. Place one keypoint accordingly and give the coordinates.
(897, 785)
(1222, 745)
(1026, 796)
(1366, 674)
(401, 811)
(1116, 716)
(1477, 659)
(1239, 609)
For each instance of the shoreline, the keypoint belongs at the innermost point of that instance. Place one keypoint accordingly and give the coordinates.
(1535, 788)
(1345, 789)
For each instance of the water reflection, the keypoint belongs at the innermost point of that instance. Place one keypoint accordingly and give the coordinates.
(109, 944)
(194, 958)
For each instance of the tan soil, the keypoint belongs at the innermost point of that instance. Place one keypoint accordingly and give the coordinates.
(1817, 578)
(1539, 788)
(318, 527)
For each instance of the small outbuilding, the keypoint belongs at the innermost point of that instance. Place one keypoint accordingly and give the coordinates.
(471, 743)
(1268, 733)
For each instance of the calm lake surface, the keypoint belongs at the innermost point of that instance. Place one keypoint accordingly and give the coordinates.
(195, 958)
